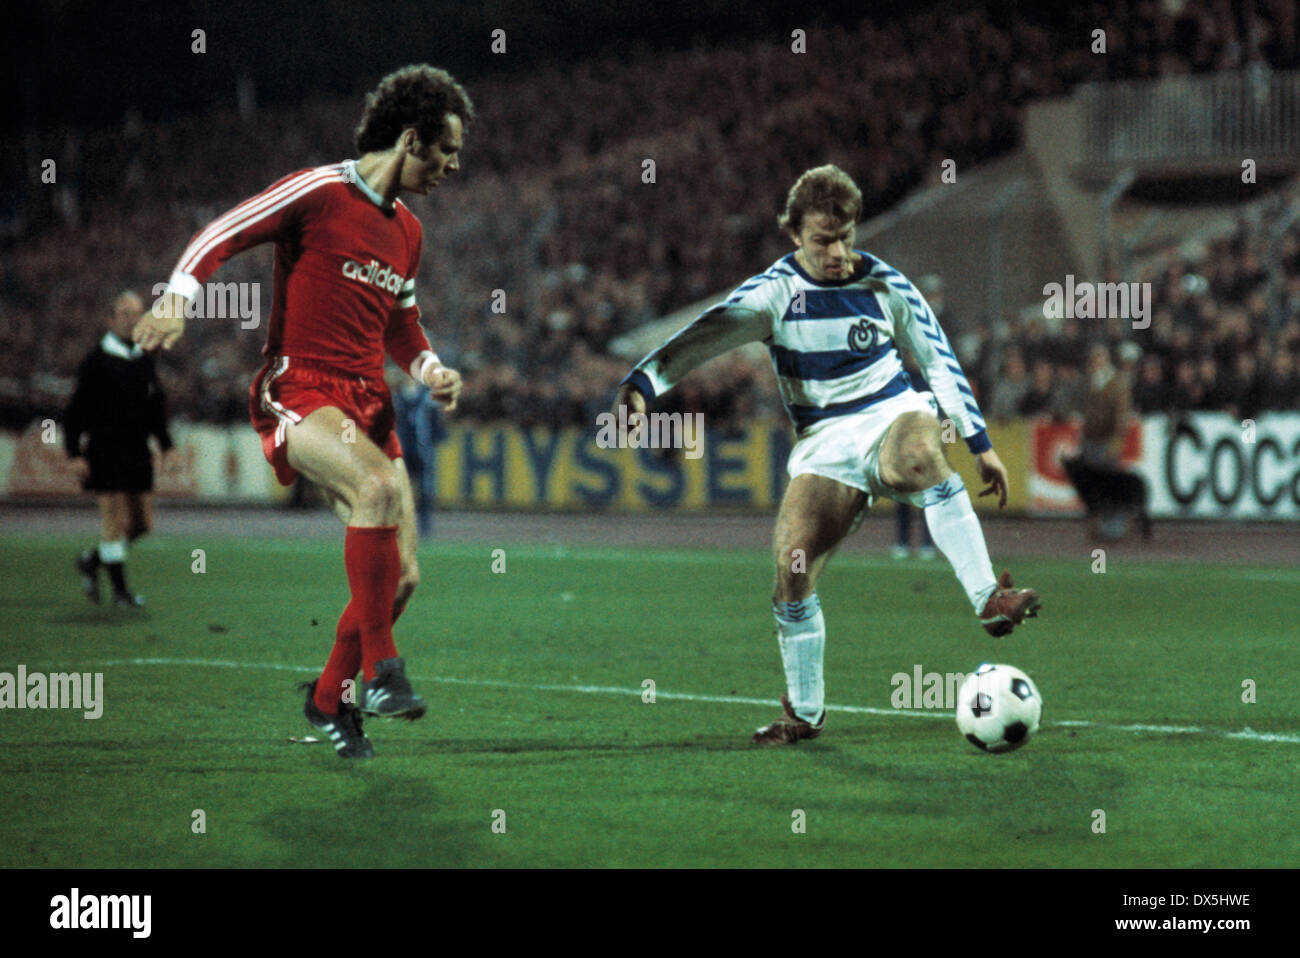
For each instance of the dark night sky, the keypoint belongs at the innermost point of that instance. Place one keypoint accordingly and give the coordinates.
(85, 63)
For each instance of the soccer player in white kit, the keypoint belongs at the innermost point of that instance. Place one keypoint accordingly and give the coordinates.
(833, 318)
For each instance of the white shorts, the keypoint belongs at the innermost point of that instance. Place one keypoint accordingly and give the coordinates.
(847, 448)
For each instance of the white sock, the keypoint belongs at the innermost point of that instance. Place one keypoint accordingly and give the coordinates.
(802, 634)
(112, 551)
(955, 529)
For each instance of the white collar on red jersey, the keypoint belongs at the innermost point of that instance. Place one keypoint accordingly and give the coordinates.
(351, 175)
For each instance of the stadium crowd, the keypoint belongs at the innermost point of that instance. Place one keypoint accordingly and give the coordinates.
(1223, 334)
(553, 242)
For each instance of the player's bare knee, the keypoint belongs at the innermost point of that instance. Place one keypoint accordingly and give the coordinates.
(378, 494)
(790, 559)
(920, 464)
(930, 466)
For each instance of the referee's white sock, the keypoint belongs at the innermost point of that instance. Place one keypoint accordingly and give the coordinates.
(112, 555)
(114, 551)
(955, 529)
(801, 632)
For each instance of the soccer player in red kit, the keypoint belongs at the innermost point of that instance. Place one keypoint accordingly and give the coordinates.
(346, 255)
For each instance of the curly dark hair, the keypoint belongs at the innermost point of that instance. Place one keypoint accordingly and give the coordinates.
(823, 189)
(418, 96)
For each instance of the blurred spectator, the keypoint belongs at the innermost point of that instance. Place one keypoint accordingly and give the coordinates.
(1106, 409)
(1037, 401)
(1150, 394)
(1111, 495)
(1066, 346)
(1281, 389)
(1067, 393)
(420, 430)
(1242, 390)
(1009, 389)
(1187, 393)
(1214, 387)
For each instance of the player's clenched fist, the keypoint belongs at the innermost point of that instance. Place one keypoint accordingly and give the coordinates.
(162, 325)
(444, 384)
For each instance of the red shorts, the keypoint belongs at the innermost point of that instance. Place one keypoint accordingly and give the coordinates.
(287, 390)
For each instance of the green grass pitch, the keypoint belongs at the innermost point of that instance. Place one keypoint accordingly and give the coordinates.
(537, 719)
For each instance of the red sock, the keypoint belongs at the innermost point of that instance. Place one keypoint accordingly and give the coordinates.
(374, 566)
(344, 663)
(345, 660)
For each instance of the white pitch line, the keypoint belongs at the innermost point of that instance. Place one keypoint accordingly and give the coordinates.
(1246, 734)
(758, 559)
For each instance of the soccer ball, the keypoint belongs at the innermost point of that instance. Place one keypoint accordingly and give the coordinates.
(998, 708)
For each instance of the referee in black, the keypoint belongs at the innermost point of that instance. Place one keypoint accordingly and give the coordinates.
(117, 406)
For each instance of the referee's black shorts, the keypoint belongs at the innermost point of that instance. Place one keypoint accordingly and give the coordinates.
(120, 472)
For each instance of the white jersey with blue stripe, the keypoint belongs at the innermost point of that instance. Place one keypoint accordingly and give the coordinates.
(834, 344)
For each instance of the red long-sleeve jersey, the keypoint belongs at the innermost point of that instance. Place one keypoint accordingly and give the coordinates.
(345, 264)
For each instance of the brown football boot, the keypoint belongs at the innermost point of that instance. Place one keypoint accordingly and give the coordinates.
(1007, 607)
(789, 728)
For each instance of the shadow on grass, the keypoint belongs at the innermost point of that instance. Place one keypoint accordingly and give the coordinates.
(389, 822)
(549, 749)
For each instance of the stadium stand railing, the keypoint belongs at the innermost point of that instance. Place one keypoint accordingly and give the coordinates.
(1177, 120)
